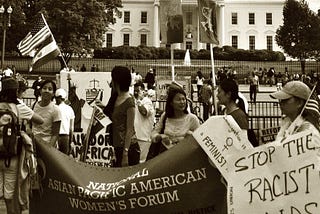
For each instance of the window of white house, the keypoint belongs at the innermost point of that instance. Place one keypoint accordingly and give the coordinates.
(234, 18)
(109, 40)
(269, 43)
(269, 18)
(126, 39)
(126, 17)
(189, 45)
(234, 41)
(144, 17)
(143, 39)
(251, 19)
(252, 43)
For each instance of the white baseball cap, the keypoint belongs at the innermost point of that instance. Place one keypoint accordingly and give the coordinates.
(61, 93)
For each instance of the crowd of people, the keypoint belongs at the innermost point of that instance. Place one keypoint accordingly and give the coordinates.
(49, 120)
(135, 133)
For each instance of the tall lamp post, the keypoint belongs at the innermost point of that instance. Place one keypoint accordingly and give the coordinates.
(5, 16)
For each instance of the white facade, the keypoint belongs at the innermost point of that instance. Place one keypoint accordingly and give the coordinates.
(238, 33)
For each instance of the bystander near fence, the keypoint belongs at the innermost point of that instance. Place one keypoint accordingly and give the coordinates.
(262, 114)
(163, 68)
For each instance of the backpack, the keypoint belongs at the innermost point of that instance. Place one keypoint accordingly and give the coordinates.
(10, 144)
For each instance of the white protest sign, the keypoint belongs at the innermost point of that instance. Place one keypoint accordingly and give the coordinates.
(220, 137)
(276, 178)
(164, 82)
(87, 86)
(99, 153)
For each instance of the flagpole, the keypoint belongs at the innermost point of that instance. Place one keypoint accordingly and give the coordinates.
(64, 61)
(172, 61)
(314, 88)
(213, 81)
(85, 144)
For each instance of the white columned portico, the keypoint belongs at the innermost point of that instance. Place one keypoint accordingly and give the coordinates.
(221, 29)
(156, 34)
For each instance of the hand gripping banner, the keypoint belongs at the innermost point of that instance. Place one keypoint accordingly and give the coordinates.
(180, 180)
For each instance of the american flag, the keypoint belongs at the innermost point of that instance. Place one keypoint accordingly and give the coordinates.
(34, 38)
(312, 104)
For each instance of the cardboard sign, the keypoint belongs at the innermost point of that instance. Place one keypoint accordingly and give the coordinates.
(276, 178)
(164, 82)
(100, 152)
(269, 134)
(221, 137)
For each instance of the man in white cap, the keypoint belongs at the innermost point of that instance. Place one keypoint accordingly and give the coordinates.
(67, 120)
(292, 99)
(144, 119)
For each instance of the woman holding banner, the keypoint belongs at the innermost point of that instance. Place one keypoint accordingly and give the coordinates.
(176, 122)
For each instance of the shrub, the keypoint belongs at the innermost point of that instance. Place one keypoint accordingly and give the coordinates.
(224, 53)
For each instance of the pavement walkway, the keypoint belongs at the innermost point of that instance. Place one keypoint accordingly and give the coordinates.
(262, 95)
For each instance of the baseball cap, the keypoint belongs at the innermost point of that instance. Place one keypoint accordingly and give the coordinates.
(61, 93)
(292, 89)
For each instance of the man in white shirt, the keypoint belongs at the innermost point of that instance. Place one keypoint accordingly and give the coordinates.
(67, 120)
(144, 120)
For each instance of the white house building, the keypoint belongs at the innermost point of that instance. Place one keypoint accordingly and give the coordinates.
(244, 24)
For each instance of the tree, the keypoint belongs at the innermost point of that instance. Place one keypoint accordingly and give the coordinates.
(78, 26)
(14, 32)
(300, 31)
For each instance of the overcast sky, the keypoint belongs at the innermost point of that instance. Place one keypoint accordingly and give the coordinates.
(314, 5)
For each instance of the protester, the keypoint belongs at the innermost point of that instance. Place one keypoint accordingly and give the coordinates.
(176, 122)
(253, 88)
(7, 72)
(206, 98)
(236, 105)
(83, 68)
(12, 181)
(36, 87)
(138, 78)
(93, 68)
(229, 97)
(199, 79)
(48, 132)
(67, 121)
(144, 119)
(31, 115)
(292, 99)
(121, 110)
(270, 76)
(150, 79)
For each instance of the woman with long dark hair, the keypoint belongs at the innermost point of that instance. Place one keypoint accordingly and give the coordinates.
(121, 110)
(176, 122)
(228, 95)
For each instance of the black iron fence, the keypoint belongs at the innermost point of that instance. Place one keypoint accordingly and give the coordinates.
(163, 66)
(262, 114)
